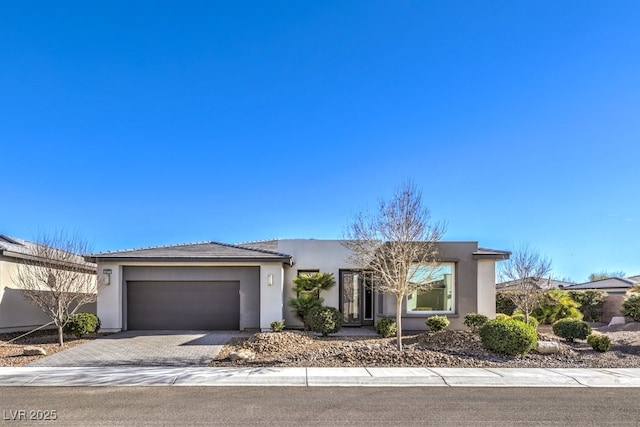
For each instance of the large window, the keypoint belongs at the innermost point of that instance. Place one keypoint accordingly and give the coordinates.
(439, 297)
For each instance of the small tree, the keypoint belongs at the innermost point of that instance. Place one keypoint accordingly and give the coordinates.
(392, 243)
(56, 278)
(307, 288)
(527, 269)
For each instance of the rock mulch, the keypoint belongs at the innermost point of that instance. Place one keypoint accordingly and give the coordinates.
(448, 348)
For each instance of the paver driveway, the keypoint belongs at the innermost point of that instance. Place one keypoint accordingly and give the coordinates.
(144, 348)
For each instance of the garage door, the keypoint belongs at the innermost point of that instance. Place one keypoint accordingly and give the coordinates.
(183, 305)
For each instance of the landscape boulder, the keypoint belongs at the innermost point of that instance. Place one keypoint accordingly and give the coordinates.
(242, 355)
(34, 351)
(548, 347)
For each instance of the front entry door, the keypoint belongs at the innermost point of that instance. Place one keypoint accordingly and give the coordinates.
(356, 297)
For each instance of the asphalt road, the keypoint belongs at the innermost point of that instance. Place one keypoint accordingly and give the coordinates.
(442, 406)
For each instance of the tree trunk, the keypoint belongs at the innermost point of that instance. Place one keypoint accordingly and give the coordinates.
(399, 323)
(60, 338)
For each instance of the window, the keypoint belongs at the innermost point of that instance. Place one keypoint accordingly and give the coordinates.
(440, 297)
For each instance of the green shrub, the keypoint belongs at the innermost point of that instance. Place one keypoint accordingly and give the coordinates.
(474, 321)
(571, 329)
(631, 307)
(437, 323)
(502, 316)
(277, 325)
(386, 327)
(504, 302)
(80, 324)
(325, 320)
(591, 303)
(556, 304)
(520, 317)
(508, 336)
(599, 342)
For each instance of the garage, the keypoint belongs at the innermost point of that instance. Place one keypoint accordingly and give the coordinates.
(173, 305)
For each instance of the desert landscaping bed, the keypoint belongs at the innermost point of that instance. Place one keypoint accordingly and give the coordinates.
(460, 349)
(11, 354)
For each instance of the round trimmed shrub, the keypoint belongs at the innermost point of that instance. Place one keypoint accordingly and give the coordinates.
(631, 307)
(80, 324)
(521, 318)
(474, 321)
(508, 336)
(599, 342)
(325, 320)
(437, 323)
(386, 327)
(571, 329)
(502, 316)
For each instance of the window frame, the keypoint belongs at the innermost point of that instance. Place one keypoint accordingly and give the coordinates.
(421, 313)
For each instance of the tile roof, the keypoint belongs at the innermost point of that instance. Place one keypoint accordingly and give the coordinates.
(20, 248)
(195, 251)
(491, 253)
(609, 283)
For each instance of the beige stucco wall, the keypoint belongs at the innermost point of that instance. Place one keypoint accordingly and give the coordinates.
(487, 288)
(328, 256)
(16, 313)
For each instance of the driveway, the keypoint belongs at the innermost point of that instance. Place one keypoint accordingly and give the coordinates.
(144, 348)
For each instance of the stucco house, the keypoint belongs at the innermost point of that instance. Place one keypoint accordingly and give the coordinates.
(16, 313)
(211, 285)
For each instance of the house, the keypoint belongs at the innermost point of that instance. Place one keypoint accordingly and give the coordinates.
(211, 285)
(611, 285)
(543, 285)
(16, 313)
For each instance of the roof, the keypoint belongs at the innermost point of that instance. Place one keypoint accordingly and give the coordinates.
(484, 253)
(200, 251)
(543, 285)
(19, 248)
(609, 283)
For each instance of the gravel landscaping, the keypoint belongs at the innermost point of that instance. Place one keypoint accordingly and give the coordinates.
(11, 354)
(461, 349)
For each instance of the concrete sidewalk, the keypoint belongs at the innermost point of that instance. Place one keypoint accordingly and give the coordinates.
(319, 377)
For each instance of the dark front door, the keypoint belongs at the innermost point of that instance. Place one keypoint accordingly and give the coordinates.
(356, 297)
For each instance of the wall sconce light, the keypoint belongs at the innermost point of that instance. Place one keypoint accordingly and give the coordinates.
(270, 279)
(107, 275)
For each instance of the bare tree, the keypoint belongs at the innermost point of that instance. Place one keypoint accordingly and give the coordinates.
(397, 243)
(526, 269)
(56, 278)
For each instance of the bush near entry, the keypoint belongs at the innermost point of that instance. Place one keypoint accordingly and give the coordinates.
(508, 336)
(386, 327)
(437, 323)
(325, 320)
(571, 329)
(474, 321)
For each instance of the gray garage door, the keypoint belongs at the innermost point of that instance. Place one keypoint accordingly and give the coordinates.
(183, 305)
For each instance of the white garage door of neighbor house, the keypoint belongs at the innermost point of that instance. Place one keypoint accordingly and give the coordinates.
(170, 305)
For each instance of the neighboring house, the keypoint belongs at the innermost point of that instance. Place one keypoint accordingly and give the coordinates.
(544, 285)
(212, 285)
(612, 285)
(16, 313)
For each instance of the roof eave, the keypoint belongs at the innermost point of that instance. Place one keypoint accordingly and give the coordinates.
(96, 259)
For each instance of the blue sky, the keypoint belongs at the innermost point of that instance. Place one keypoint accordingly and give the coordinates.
(146, 123)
